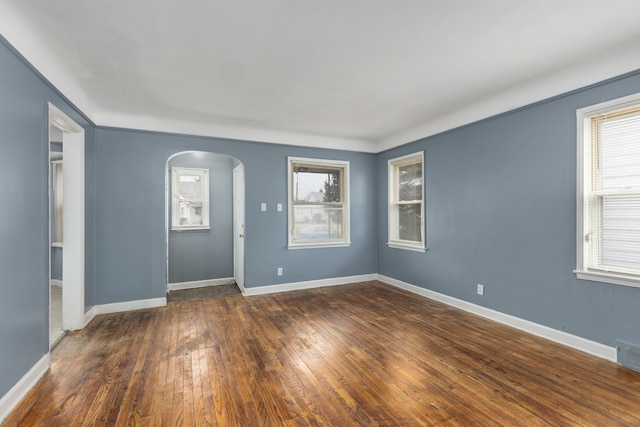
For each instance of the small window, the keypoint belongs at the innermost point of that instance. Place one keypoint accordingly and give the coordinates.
(190, 198)
(608, 231)
(318, 203)
(406, 208)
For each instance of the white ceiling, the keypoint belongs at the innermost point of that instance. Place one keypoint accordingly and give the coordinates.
(365, 75)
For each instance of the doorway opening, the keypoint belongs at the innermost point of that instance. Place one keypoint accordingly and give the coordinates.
(55, 214)
(66, 224)
(204, 205)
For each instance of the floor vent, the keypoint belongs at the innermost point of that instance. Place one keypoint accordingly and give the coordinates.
(628, 354)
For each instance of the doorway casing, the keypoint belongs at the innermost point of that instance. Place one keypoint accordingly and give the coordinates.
(73, 218)
(238, 226)
(238, 212)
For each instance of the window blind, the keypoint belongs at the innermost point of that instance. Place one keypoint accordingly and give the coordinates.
(615, 164)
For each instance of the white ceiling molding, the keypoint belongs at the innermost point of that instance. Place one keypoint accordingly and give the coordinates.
(18, 32)
(358, 75)
(612, 63)
(169, 125)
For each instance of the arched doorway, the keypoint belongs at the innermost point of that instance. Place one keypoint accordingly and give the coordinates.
(204, 210)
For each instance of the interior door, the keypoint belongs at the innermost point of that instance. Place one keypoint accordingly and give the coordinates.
(238, 226)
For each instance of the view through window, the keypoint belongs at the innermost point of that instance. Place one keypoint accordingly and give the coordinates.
(190, 198)
(406, 210)
(318, 202)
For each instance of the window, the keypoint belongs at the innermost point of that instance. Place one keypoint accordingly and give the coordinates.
(608, 226)
(318, 203)
(189, 198)
(406, 208)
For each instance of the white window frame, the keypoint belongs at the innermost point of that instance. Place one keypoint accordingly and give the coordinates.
(393, 240)
(585, 268)
(315, 243)
(176, 172)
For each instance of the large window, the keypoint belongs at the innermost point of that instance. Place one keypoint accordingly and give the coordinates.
(318, 203)
(608, 237)
(406, 208)
(189, 198)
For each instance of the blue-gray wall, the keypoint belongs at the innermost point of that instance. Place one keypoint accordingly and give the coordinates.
(501, 211)
(500, 202)
(24, 217)
(56, 263)
(205, 254)
(130, 213)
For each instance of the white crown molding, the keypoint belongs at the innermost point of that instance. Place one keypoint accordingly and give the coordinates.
(186, 127)
(598, 67)
(309, 284)
(615, 62)
(14, 396)
(573, 341)
(19, 33)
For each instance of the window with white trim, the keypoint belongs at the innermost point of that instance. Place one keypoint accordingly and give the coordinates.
(406, 207)
(608, 226)
(318, 203)
(189, 198)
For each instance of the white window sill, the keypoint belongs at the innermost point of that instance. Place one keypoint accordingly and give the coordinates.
(318, 245)
(199, 227)
(608, 277)
(408, 247)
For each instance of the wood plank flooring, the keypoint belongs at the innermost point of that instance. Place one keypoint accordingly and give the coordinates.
(55, 315)
(360, 354)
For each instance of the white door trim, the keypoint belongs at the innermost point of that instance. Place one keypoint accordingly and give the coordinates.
(73, 217)
(238, 225)
(238, 175)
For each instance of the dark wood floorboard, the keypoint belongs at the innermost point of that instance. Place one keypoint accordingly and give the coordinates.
(203, 293)
(360, 354)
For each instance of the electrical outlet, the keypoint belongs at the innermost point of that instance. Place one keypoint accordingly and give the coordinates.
(263, 207)
(279, 207)
(480, 289)
(279, 271)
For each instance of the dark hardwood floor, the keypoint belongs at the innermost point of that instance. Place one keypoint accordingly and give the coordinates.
(360, 354)
(203, 293)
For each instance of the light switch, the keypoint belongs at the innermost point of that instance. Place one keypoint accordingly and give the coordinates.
(263, 207)
(279, 207)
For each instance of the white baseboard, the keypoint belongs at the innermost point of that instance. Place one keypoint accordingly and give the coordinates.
(9, 401)
(89, 315)
(122, 306)
(118, 307)
(294, 286)
(200, 284)
(560, 337)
